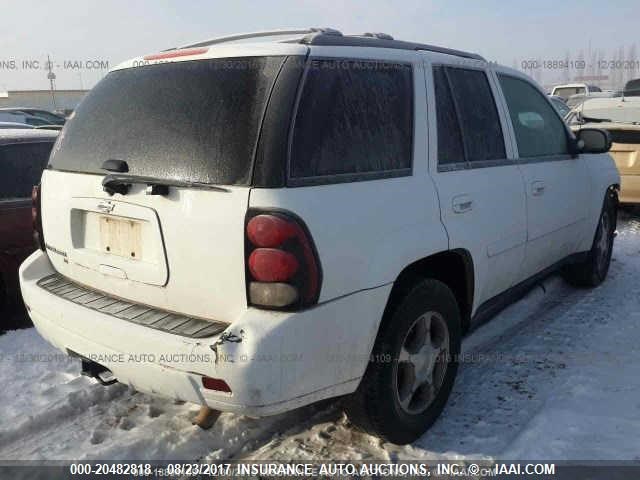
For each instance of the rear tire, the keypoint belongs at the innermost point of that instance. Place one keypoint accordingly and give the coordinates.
(412, 367)
(593, 270)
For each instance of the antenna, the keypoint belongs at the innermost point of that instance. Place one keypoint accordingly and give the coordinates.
(52, 81)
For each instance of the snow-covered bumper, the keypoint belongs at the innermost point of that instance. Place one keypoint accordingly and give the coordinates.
(272, 361)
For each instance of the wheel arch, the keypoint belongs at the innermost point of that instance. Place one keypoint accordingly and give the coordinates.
(454, 268)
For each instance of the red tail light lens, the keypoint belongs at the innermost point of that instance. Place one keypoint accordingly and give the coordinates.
(36, 218)
(269, 231)
(283, 271)
(272, 265)
(215, 384)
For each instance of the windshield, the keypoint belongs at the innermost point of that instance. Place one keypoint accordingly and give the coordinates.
(196, 121)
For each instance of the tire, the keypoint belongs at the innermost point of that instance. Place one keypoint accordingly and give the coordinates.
(412, 367)
(593, 270)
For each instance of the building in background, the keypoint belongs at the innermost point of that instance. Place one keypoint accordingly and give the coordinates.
(64, 99)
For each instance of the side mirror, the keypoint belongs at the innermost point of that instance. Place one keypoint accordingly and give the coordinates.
(593, 140)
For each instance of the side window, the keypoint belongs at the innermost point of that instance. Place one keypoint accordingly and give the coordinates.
(22, 166)
(450, 148)
(475, 119)
(538, 128)
(354, 117)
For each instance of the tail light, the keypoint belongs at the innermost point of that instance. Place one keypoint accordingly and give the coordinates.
(215, 384)
(283, 270)
(36, 218)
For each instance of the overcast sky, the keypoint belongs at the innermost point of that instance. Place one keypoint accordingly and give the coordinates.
(114, 30)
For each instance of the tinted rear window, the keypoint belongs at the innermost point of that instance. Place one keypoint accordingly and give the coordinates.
(355, 117)
(450, 149)
(21, 165)
(195, 121)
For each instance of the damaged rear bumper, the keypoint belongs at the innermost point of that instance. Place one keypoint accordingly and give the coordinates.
(272, 361)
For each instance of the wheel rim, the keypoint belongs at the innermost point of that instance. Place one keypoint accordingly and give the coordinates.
(602, 242)
(422, 363)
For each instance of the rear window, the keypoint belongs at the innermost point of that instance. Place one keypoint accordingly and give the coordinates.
(354, 121)
(21, 165)
(195, 121)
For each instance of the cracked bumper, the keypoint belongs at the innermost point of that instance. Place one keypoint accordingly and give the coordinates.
(272, 361)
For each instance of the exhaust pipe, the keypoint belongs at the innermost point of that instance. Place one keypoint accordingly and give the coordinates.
(94, 370)
(97, 371)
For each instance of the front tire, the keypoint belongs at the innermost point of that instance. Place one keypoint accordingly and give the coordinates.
(593, 270)
(412, 368)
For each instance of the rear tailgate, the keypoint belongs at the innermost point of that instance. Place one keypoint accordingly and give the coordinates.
(182, 252)
(190, 127)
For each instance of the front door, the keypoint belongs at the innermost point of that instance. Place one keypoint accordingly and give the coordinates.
(557, 184)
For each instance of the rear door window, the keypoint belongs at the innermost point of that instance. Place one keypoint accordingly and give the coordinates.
(354, 121)
(469, 128)
(450, 149)
(21, 165)
(195, 121)
(538, 128)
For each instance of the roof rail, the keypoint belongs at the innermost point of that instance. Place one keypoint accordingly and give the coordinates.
(333, 37)
(379, 40)
(384, 36)
(266, 33)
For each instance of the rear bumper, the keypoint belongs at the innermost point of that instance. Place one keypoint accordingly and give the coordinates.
(630, 189)
(272, 361)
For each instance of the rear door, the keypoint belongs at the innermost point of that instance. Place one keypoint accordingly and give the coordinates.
(191, 129)
(479, 184)
(557, 184)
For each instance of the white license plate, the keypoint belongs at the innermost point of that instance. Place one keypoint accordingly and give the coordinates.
(121, 236)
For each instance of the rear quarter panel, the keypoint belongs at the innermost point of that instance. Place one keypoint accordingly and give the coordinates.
(365, 232)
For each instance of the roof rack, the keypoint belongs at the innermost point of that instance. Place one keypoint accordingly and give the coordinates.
(379, 40)
(266, 33)
(333, 37)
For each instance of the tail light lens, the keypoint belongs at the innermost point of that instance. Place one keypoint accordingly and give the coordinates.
(283, 270)
(36, 218)
(215, 384)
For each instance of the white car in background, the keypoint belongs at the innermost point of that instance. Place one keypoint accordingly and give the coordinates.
(324, 216)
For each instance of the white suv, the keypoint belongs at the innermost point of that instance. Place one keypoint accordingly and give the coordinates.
(259, 226)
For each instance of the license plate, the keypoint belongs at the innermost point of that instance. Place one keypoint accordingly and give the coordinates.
(121, 236)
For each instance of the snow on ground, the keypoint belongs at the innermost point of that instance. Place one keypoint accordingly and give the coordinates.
(553, 376)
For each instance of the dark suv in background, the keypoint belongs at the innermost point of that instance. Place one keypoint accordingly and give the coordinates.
(23, 155)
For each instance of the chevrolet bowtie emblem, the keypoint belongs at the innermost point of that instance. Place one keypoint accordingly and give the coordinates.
(106, 206)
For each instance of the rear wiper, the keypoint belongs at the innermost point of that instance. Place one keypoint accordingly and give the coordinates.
(121, 183)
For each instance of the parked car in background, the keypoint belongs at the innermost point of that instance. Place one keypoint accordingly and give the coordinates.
(15, 125)
(567, 90)
(620, 116)
(50, 117)
(351, 206)
(560, 105)
(23, 156)
(632, 88)
(25, 118)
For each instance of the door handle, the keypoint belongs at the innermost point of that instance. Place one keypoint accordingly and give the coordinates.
(462, 204)
(537, 188)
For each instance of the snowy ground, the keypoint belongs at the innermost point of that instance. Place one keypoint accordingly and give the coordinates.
(555, 376)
